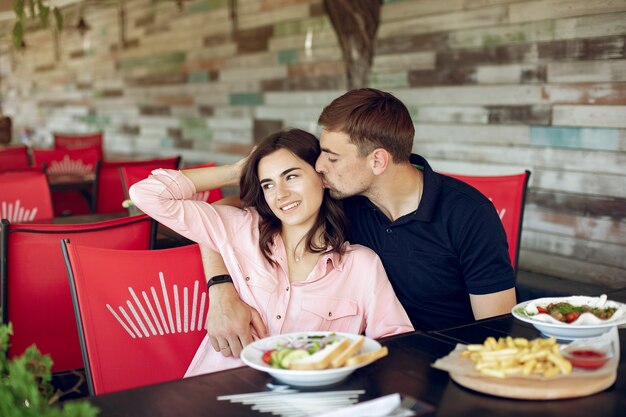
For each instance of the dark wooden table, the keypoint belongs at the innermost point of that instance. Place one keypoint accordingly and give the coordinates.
(406, 370)
(85, 185)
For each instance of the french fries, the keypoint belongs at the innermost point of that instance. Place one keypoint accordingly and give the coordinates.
(518, 356)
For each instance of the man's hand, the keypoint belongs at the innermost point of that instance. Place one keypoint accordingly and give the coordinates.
(231, 323)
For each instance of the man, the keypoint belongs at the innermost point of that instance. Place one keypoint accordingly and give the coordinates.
(440, 240)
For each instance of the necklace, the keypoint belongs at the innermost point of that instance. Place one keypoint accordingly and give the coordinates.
(298, 258)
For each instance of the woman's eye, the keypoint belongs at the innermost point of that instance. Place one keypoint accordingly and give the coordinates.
(332, 160)
(266, 187)
(291, 176)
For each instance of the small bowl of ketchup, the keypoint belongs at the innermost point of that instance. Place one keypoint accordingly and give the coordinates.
(588, 355)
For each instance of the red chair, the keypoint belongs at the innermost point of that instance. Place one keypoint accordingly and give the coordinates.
(25, 196)
(140, 314)
(211, 195)
(110, 189)
(15, 157)
(76, 141)
(70, 162)
(134, 173)
(508, 195)
(36, 296)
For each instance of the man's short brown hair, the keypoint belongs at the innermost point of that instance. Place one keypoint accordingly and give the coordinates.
(373, 119)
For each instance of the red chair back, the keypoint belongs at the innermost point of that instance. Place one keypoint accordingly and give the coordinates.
(211, 195)
(110, 190)
(68, 161)
(141, 314)
(508, 195)
(36, 296)
(15, 157)
(25, 196)
(76, 141)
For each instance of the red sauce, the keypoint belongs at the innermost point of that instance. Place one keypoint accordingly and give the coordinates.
(588, 359)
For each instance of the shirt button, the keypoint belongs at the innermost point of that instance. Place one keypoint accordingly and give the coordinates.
(247, 278)
(330, 314)
(388, 230)
(278, 317)
(287, 289)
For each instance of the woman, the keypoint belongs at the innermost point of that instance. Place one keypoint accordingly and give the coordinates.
(286, 251)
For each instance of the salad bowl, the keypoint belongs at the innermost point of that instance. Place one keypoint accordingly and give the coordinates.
(582, 326)
(252, 355)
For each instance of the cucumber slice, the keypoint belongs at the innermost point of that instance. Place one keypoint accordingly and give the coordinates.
(293, 355)
(277, 357)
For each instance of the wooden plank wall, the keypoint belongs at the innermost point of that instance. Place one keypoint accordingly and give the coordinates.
(494, 86)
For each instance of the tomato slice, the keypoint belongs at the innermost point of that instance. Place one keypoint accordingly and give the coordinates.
(571, 316)
(542, 310)
(267, 356)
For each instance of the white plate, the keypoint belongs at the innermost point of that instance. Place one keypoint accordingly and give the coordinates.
(582, 328)
(251, 356)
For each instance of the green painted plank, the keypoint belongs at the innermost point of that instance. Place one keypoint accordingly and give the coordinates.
(388, 80)
(206, 6)
(288, 57)
(95, 120)
(173, 58)
(295, 27)
(602, 139)
(198, 77)
(246, 99)
(195, 128)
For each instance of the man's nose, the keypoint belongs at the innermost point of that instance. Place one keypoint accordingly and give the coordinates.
(319, 165)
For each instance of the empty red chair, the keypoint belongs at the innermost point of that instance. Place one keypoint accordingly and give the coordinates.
(79, 140)
(68, 161)
(211, 195)
(15, 157)
(110, 189)
(25, 196)
(141, 314)
(81, 162)
(508, 195)
(36, 295)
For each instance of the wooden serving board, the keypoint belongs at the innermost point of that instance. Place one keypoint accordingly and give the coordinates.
(536, 389)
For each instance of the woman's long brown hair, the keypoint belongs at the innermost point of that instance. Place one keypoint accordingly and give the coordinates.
(331, 219)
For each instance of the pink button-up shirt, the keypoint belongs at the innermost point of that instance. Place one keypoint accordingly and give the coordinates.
(351, 294)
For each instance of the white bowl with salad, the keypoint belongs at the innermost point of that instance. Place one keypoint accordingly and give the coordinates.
(274, 355)
(571, 318)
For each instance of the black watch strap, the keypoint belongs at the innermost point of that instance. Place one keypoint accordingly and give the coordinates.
(218, 279)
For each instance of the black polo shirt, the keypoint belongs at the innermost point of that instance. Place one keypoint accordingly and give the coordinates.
(453, 245)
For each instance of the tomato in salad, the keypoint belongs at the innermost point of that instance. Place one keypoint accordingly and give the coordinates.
(267, 356)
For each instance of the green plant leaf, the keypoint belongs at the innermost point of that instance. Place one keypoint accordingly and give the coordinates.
(44, 13)
(58, 17)
(18, 8)
(18, 35)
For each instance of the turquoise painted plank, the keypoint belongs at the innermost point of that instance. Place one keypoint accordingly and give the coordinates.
(198, 77)
(602, 139)
(246, 99)
(288, 57)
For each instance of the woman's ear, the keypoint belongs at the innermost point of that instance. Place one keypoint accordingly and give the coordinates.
(380, 159)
